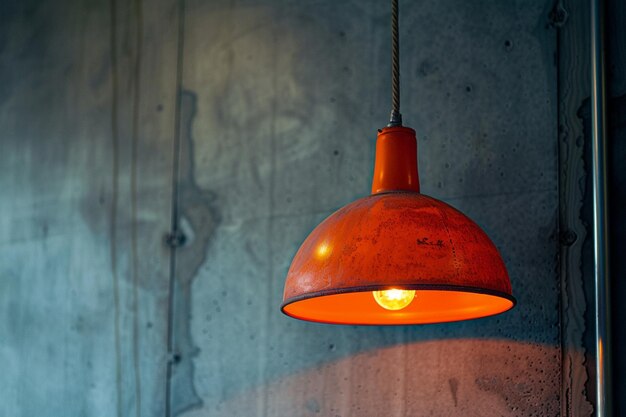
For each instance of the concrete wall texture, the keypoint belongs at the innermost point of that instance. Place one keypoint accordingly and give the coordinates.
(243, 124)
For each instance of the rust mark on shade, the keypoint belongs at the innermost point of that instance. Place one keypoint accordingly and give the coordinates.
(425, 242)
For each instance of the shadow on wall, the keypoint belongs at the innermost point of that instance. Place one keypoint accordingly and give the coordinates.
(415, 378)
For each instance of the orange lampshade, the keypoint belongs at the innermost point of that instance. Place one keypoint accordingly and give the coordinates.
(397, 256)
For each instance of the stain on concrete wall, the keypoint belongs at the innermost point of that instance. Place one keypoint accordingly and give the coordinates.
(199, 217)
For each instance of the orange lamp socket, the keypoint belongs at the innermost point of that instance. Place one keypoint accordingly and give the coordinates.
(397, 256)
(395, 168)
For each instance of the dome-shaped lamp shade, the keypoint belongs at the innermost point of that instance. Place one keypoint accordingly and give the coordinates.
(397, 256)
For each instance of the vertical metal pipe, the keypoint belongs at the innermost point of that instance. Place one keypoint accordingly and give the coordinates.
(600, 236)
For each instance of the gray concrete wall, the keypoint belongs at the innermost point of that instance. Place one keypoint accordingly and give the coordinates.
(272, 109)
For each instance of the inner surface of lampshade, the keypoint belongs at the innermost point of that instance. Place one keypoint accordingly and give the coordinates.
(428, 306)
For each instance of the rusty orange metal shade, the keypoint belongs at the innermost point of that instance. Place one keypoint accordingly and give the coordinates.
(396, 239)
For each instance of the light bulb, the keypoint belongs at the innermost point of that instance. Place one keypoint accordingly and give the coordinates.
(394, 299)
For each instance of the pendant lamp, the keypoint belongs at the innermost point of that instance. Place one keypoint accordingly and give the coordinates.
(397, 256)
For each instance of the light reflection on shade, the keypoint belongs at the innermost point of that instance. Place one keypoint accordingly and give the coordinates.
(322, 251)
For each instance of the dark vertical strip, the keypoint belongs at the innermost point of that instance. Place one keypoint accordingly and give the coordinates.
(563, 348)
(113, 215)
(134, 159)
(174, 220)
(570, 18)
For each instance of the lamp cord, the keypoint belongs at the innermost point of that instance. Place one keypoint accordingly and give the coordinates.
(396, 117)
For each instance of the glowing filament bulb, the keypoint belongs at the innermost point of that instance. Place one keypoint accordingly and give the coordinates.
(394, 299)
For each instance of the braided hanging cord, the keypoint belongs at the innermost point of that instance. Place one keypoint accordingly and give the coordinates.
(396, 117)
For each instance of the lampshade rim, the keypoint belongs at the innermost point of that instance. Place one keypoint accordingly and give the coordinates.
(421, 287)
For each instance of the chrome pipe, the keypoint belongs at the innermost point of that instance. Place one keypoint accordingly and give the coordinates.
(600, 218)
